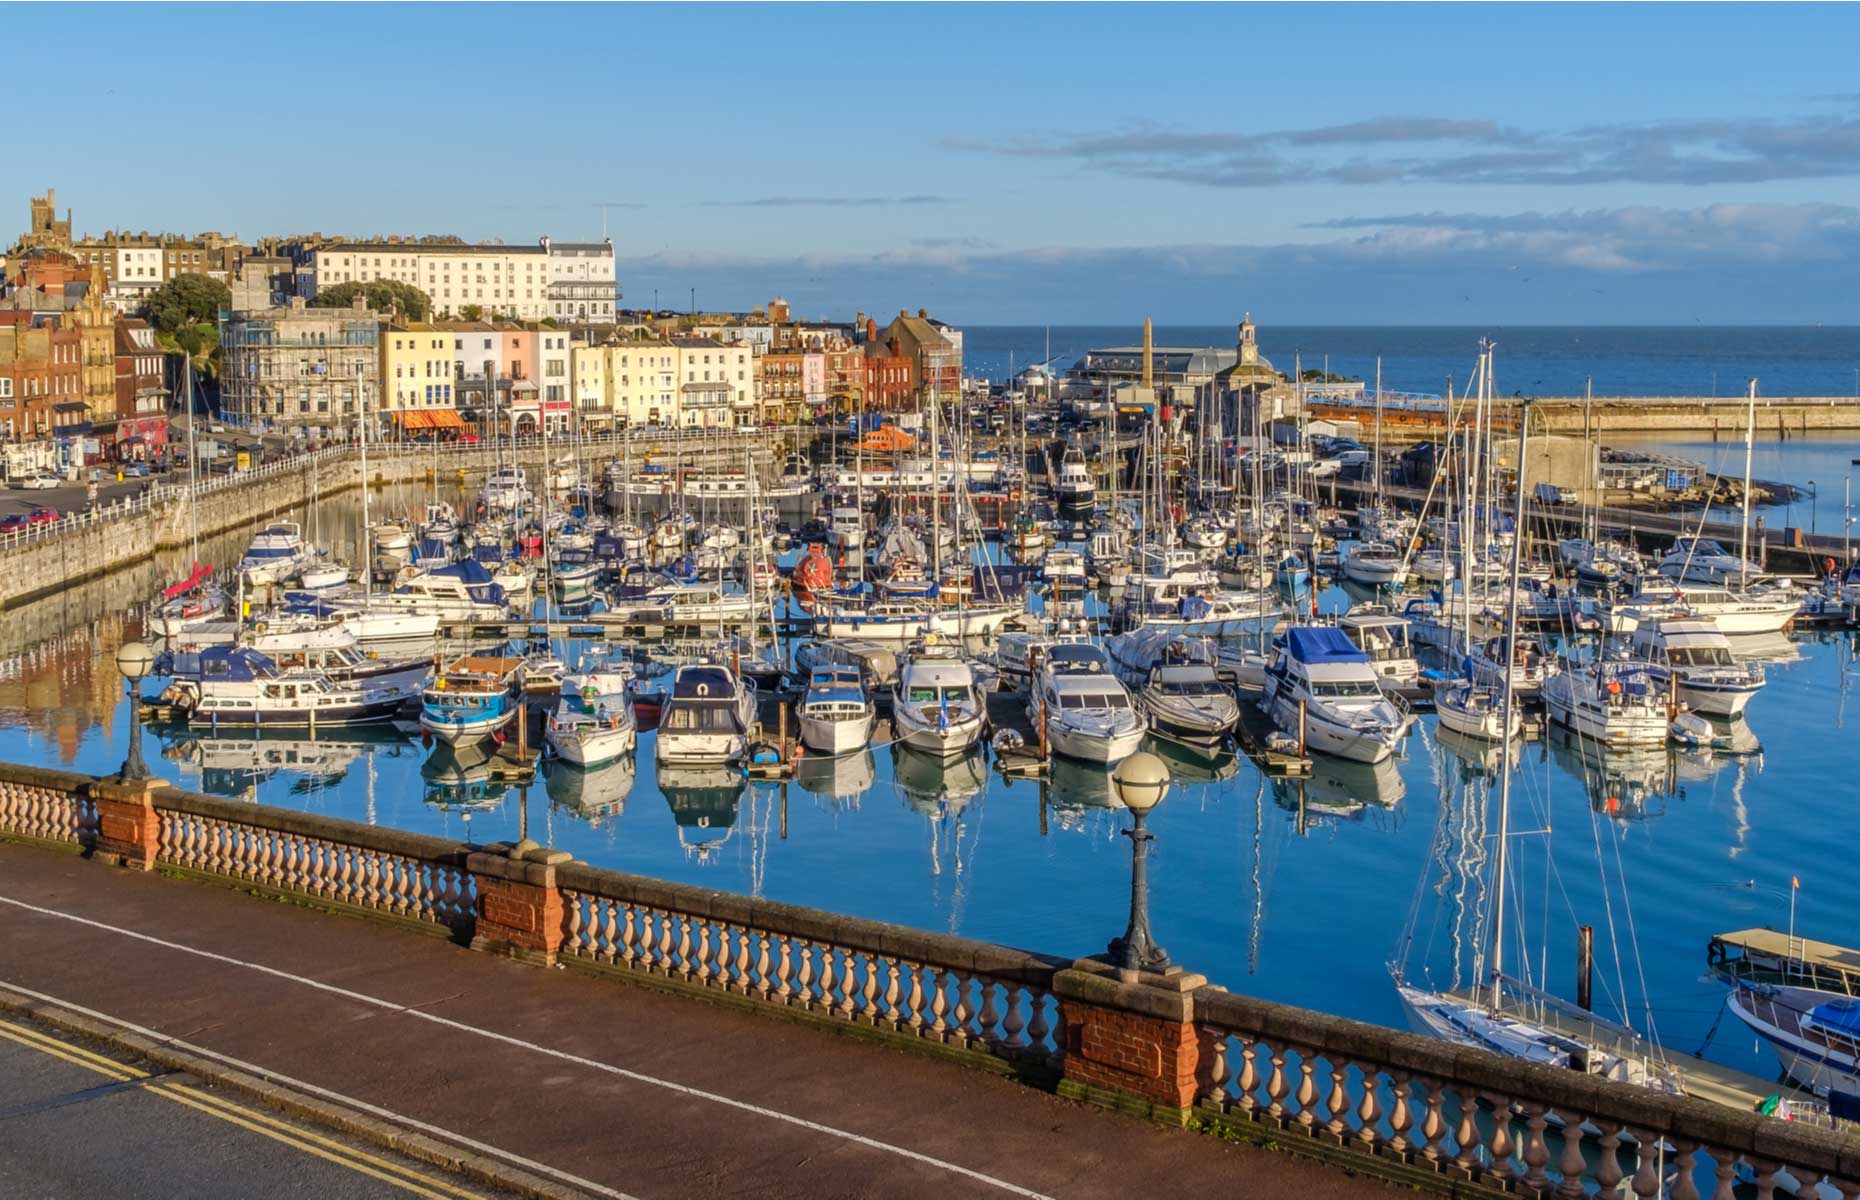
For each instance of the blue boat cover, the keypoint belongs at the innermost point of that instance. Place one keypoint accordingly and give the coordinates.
(432, 549)
(708, 683)
(222, 662)
(1322, 644)
(469, 571)
(1842, 1016)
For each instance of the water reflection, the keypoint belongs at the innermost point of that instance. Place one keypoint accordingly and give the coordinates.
(1338, 789)
(234, 764)
(704, 802)
(838, 779)
(935, 786)
(458, 778)
(1476, 757)
(592, 796)
(1191, 764)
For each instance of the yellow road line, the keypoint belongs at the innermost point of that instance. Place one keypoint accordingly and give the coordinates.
(260, 1123)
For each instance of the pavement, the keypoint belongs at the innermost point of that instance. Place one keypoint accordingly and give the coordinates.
(87, 1121)
(591, 1084)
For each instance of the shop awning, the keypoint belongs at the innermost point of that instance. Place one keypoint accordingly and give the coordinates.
(413, 418)
(445, 418)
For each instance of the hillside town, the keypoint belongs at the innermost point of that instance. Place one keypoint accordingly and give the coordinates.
(321, 338)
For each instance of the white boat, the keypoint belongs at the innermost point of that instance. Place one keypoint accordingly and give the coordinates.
(1346, 714)
(590, 733)
(323, 577)
(1206, 534)
(1477, 711)
(937, 708)
(1694, 651)
(1372, 564)
(1176, 685)
(1704, 560)
(463, 591)
(506, 489)
(846, 529)
(471, 698)
(706, 719)
(274, 554)
(1530, 665)
(1384, 637)
(1086, 713)
(1814, 1034)
(1073, 487)
(609, 679)
(393, 543)
(1609, 700)
(907, 621)
(877, 664)
(1751, 613)
(1063, 569)
(836, 716)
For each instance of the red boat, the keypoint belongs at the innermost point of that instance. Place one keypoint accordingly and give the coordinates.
(814, 573)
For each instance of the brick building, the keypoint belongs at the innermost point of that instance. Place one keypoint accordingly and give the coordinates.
(141, 392)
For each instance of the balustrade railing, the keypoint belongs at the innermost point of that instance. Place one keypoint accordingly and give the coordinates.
(47, 806)
(1493, 1121)
(398, 874)
(950, 991)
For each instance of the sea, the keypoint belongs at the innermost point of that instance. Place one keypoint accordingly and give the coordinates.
(1317, 892)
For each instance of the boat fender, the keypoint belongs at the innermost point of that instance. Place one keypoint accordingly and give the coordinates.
(259, 628)
(1007, 741)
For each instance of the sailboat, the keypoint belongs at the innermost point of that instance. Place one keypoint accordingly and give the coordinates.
(196, 600)
(1504, 1015)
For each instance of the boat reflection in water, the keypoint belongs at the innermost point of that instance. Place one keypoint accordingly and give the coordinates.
(1192, 764)
(704, 801)
(458, 778)
(231, 764)
(1339, 789)
(1626, 784)
(1475, 757)
(937, 786)
(838, 779)
(1079, 798)
(592, 796)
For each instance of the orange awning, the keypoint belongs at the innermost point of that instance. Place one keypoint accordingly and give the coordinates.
(446, 418)
(413, 418)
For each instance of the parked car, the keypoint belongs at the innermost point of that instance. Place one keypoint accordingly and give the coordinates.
(41, 515)
(135, 468)
(14, 523)
(38, 480)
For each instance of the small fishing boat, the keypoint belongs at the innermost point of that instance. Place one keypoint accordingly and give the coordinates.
(836, 715)
(473, 697)
(590, 733)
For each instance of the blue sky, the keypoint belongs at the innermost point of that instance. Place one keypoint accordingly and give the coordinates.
(1055, 163)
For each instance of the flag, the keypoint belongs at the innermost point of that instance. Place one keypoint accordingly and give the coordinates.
(942, 716)
(1795, 881)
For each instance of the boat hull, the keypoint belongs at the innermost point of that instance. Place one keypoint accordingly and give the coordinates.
(836, 736)
(591, 746)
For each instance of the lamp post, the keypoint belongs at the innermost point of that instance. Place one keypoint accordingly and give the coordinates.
(1140, 783)
(133, 659)
(1814, 504)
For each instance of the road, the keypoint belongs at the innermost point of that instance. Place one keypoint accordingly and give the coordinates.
(93, 1123)
(71, 497)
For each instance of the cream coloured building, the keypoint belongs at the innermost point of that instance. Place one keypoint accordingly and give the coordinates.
(626, 383)
(417, 373)
(563, 280)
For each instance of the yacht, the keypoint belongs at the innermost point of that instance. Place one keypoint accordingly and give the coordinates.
(1695, 654)
(903, 621)
(1704, 560)
(347, 664)
(193, 601)
(463, 591)
(1086, 713)
(836, 715)
(471, 698)
(1476, 710)
(1073, 487)
(589, 733)
(274, 554)
(1063, 570)
(238, 686)
(506, 489)
(394, 544)
(1318, 670)
(440, 524)
(846, 530)
(1530, 666)
(706, 719)
(1372, 564)
(1748, 613)
(877, 664)
(1177, 687)
(937, 707)
(1609, 700)
(1814, 1034)
(573, 575)
(1383, 636)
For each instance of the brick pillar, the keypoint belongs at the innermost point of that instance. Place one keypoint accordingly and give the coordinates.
(1131, 1041)
(519, 906)
(128, 827)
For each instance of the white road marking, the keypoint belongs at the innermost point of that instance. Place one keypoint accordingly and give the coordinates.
(391, 1006)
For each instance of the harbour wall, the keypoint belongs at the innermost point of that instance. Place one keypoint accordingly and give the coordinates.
(1720, 418)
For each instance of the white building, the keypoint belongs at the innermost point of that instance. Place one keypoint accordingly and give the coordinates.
(581, 282)
(498, 280)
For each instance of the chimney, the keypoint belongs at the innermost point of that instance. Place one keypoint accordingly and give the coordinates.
(1149, 345)
(923, 314)
(871, 329)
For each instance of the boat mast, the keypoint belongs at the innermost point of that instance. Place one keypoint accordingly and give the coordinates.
(1377, 465)
(367, 540)
(1743, 543)
(1504, 714)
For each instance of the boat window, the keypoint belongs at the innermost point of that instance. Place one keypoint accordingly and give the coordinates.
(955, 694)
(1340, 688)
(920, 695)
(1072, 701)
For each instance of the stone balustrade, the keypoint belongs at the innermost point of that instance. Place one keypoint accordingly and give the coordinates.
(1170, 1047)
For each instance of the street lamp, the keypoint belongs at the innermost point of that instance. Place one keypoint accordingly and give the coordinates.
(1814, 504)
(1140, 782)
(133, 659)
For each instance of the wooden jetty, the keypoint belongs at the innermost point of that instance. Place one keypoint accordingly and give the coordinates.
(1253, 734)
(1770, 956)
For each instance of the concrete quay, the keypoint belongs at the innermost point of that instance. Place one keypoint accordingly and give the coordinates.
(1690, 418)
(717, 1069)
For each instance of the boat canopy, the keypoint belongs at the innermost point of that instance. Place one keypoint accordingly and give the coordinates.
(202, 572)
(1839, 1016)
(1322, 644)
(238, 663)
(704, 683)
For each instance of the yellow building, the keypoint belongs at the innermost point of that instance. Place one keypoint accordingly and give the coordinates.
(626, 382)
(417, 376)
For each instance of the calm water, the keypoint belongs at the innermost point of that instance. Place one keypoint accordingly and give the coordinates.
(1297, 892)
(1623, 361)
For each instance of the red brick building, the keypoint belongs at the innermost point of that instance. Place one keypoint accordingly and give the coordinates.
(41, 379)
(888, 371)
(141, 392)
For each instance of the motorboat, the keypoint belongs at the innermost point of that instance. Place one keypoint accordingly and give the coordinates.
(1609, 700)
(463, 591)
(506, 489)
(1372, 564)
(1530, 665)
(1085, 711)
(274, 554)
(323, 576)
(903, 621)
(1814, 1034)
(1205, 534)
(1073, 487)
(846, 529)
(1705, 560)
(347, 664)
(1063, 570)
(1176, 685)
(937, 706)
(876, 663)
(589, 733)
(836, 715)
(238, 686)
(706, 718)
(1383, 636)
(573, 575)
(1695, 654)
(1318, 679)
(1749, 613)
(471, 698)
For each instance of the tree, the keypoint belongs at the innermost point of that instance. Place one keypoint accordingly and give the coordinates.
(188, 300)
(381, 295)
(471, 312)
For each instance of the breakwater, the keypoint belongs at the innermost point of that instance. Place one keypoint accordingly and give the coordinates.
(1720, 418)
